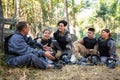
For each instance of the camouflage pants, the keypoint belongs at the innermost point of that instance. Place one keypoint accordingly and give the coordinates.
(79, 48)
(59, 52)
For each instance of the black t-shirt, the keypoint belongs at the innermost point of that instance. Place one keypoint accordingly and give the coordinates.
(89, 43)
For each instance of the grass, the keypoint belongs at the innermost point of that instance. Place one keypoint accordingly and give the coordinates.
(69, 72)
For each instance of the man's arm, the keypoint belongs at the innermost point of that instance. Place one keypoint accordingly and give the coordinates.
(112, 48)
(69, 41)
(76, 45)
(33, 43)
(95, 50)
(18, 45)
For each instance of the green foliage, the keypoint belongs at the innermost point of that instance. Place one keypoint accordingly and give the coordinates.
(2, 58)
(102, 11)
(44, 13)
(114, 36)
(108, 11)
(97, 35)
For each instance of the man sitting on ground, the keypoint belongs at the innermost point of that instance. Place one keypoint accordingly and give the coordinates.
(87, 46)
(20, 53)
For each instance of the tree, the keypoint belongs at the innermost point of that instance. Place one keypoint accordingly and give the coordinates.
(66, 13)
(108, 12)
(1, 25)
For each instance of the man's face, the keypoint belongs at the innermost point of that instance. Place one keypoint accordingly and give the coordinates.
(90, 34)
(61, 27)
(26, 29)
(46, 35)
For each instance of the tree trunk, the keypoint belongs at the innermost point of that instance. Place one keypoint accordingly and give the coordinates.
(41, 13)
(66, 13)
(73, 16)
(1, 26)
(18, 9)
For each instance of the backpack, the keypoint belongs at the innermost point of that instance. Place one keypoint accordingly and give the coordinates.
(6, 43)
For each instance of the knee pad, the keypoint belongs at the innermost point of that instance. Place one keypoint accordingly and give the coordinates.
(111, 63)
(95, 59)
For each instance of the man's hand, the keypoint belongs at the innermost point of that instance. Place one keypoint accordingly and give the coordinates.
(68, 47)
(46, 48)
(75, 51)
(49, 56)
(92, 51)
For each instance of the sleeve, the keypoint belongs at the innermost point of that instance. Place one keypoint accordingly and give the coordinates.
(39, 45)
(112, 48)
(54, 37)
(19, 46)
(34, 43)
(69, 41)
(68, 38)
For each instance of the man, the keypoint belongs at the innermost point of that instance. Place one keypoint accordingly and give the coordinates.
(64, 40)
(20, 53)
(87, 46)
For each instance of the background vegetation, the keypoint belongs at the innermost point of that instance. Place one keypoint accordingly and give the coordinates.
(80, 14)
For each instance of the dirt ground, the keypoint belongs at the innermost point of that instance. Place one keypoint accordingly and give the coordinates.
(69, 72)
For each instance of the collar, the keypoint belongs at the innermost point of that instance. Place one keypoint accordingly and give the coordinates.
(17, 32)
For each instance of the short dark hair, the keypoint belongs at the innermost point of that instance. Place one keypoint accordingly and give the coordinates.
(91, 29)
(46, 30)
(107, 31)
(63, 21)
(21, 25)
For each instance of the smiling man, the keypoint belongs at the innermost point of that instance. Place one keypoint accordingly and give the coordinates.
(86, 46)
(64, 40)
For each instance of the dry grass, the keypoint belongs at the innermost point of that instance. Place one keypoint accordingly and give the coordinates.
(69, 72)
